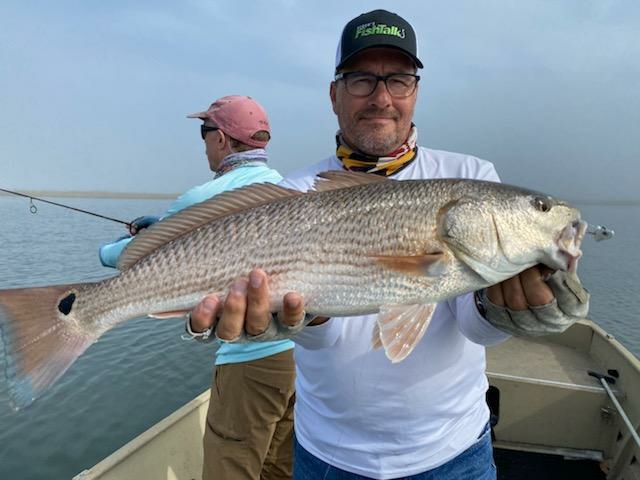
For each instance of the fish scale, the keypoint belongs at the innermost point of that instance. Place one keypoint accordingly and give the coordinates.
(349, 226)
(210, 259)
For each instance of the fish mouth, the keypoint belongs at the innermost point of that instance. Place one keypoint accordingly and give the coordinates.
(568, 243)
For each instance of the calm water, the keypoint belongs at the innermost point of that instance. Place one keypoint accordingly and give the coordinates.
(142, 371)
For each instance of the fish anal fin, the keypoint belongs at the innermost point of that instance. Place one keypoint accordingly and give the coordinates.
(401, 327)
(336, 179)
(184, 221)
(429, 264)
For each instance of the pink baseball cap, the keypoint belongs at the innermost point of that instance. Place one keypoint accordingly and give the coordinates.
(239, 117)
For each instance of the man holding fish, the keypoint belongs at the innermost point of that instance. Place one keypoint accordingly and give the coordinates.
(372, 260)
(363, 414)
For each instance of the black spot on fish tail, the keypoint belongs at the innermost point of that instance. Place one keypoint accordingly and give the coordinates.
(66, 303)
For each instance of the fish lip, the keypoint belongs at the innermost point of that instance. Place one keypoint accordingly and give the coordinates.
(568, 242)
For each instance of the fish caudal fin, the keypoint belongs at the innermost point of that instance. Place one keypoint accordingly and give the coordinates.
(39, 345)
(400, 328)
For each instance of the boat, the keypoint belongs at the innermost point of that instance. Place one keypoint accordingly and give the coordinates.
(564, 406)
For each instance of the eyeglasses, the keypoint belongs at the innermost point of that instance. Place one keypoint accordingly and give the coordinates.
(204, 129)
(362, 84)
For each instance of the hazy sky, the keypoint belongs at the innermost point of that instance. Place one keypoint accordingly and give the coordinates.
(93, 95)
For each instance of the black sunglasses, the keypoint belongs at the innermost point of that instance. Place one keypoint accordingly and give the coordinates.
(205, 128)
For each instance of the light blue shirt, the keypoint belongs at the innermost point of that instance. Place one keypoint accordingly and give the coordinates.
(256, 172)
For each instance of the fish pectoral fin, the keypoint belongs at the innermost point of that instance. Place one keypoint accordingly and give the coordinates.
(170, 314)
(400, 328)
(429, 264)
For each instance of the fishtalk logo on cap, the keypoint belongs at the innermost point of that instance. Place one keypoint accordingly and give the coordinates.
(372, 28)
(378, 28)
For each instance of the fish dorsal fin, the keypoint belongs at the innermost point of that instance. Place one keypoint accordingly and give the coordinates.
(400, 328)
(336, 179)
(184, 221)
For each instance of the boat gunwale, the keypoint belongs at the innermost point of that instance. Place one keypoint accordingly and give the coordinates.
(146, 437)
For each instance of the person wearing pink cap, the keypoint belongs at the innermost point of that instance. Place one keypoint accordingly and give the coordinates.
(249, 428)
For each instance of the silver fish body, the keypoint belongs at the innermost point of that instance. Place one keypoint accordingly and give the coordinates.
(327, 247)
(348, 250)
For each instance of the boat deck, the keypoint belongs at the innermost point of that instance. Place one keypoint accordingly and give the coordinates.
(539, 368)
(541, 361)
(552, 420)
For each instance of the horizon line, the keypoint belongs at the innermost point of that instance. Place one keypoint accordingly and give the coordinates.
(94, 194)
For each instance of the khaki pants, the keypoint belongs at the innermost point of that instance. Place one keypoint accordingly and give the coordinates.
(249, 430)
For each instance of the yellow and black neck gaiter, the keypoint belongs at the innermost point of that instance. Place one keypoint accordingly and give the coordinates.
(397, 160)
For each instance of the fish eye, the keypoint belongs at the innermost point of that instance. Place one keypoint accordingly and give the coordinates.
(541, 204)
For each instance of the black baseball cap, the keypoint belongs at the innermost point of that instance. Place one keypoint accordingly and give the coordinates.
(378, 28)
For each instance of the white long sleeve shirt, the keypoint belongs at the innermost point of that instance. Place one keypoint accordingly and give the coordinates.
(361, 413)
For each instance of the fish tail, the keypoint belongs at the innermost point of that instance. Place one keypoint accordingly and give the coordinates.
(39, 344)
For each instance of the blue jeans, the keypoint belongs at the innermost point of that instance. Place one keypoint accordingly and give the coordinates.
(475, 463)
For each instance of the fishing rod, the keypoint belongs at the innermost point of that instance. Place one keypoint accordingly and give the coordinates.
(33, 209)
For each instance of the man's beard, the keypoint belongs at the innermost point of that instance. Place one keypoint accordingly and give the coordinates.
(373, 140)
(377, 143)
